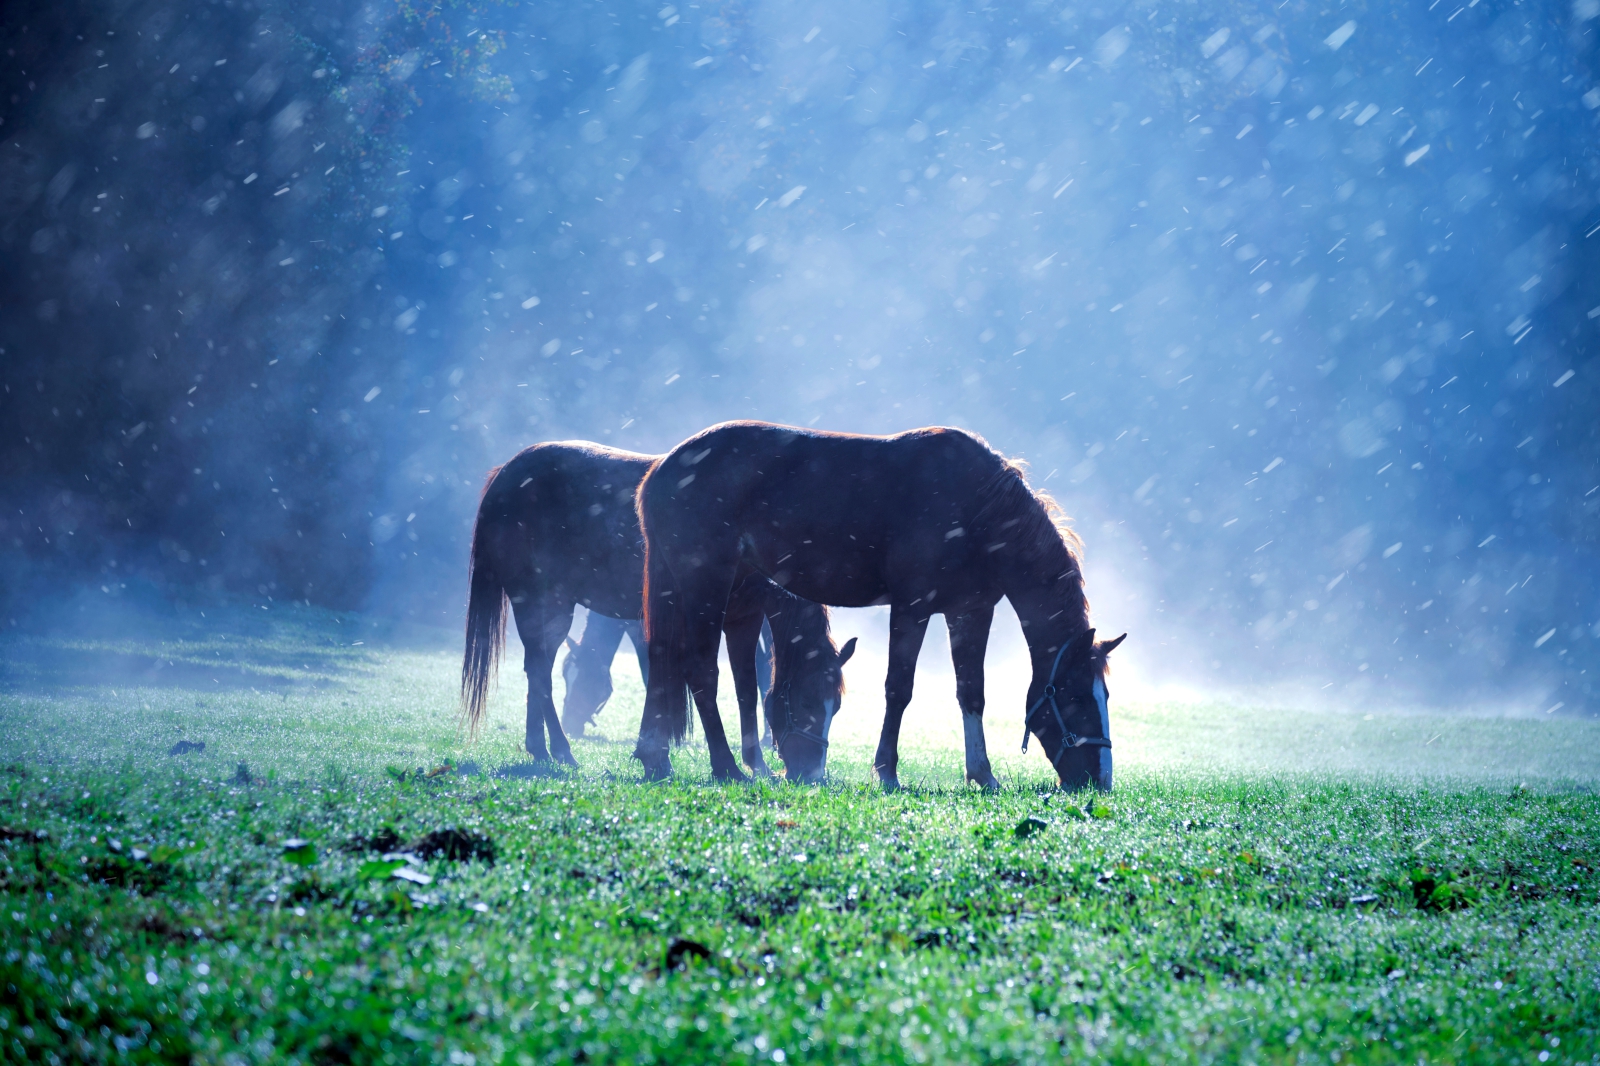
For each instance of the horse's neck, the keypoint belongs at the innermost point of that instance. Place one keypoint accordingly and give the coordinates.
(1050, 618)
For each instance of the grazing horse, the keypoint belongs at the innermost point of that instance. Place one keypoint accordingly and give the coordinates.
(930, 521)
(557, 527)
(586, 671)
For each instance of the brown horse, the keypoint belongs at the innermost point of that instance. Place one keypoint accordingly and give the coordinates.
(930, 521)
(556, 527)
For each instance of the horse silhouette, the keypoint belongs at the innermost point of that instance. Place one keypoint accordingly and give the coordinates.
(556, 527)
(929, 521)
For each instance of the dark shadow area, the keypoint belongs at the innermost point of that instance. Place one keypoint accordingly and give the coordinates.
(217, 647)
(39, 665)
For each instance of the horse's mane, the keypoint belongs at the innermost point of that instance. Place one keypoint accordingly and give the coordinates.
(787, 624)
(1030, 523)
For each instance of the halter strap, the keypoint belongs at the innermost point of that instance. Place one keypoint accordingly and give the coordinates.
(1069, 739)
(804, 734)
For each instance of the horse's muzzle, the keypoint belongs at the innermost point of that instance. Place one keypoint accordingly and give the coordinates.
(1086, 767)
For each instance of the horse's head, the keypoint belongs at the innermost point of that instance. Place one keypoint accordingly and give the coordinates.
(1067, 711)
(807, 688)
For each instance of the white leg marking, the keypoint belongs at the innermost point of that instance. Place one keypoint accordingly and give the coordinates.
(977, 750)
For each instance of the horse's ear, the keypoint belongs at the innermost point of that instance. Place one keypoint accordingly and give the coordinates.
(1106, 648)
(1081, 647)
(848, 650)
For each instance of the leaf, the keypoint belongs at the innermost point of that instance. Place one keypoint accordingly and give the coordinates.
(1100, 810)
(378, 870)
(396, 772)
(300, 852)
(1029, 826)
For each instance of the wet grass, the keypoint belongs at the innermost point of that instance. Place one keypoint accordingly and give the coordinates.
(184, 908)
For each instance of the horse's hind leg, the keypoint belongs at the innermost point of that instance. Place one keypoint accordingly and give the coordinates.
(635, 630)
(542, 625)
(741, 632)
(906, 630)
(969, 638)
(709, 597)
(702, 677)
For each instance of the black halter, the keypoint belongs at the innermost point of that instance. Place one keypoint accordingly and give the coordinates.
(804, 734)
(1069, 739)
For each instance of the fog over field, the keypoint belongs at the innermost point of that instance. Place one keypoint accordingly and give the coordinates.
(1293, 308)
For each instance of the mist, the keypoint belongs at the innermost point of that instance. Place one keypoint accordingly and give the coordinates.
(1291, 308)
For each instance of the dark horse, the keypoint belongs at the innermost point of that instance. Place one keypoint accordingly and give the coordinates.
(930, 521)
(557, 527)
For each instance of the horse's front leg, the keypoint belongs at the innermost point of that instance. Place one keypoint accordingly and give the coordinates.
(969, 639)
(907, 626)
(741, 633)
(764, 656)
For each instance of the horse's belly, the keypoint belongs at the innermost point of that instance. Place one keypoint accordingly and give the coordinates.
(840, 580)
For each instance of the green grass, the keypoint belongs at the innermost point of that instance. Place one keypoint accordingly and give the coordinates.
(1262, 886)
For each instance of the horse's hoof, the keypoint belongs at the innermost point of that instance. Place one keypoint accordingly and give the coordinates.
(987, 782)
(889, 782)
(565, 758)
(657, 767)
(729, 774)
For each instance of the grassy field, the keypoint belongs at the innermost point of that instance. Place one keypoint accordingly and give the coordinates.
(1262, 886)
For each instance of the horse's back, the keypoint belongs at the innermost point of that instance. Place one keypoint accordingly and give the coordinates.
(848, 519)
(559, 466)
(572, 503)
(722, 462)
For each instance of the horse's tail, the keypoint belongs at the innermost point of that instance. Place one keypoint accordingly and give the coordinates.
(486, 615)
(666, 635)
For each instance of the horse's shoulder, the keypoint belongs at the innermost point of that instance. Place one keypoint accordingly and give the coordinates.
(953, 443)
(949, 435)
